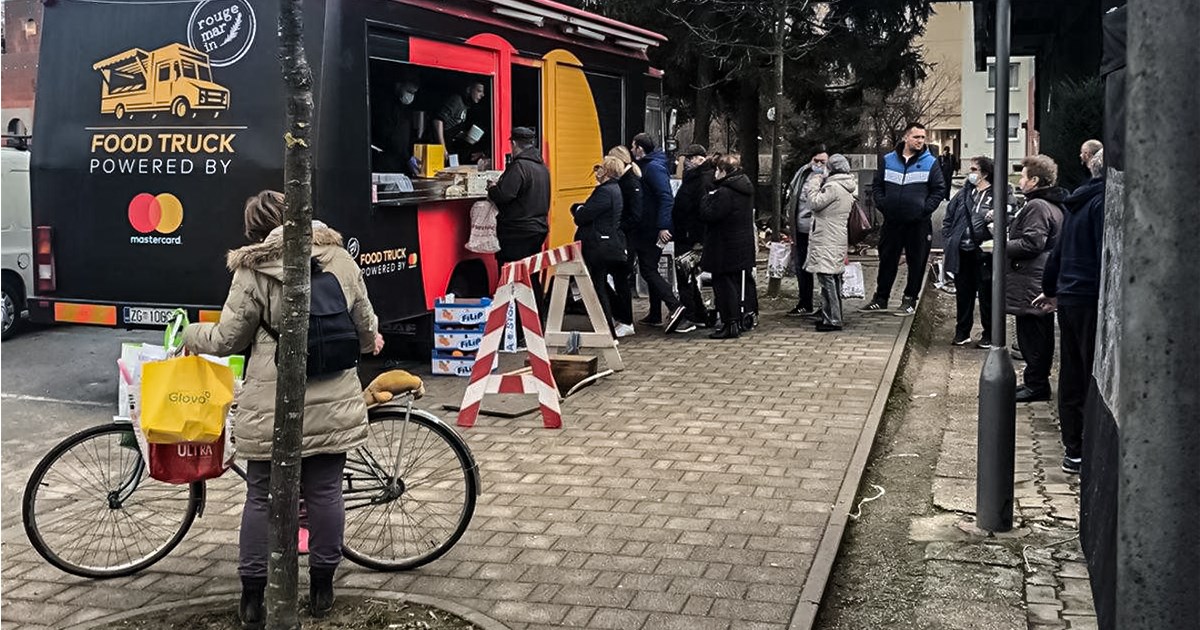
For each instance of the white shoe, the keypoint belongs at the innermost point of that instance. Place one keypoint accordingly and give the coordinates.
(624, 330)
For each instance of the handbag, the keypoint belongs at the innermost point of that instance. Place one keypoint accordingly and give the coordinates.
(859, 225)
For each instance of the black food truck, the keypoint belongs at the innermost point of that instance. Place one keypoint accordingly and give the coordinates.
(156, 120)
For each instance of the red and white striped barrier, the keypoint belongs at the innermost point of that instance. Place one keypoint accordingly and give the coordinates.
(516, 286)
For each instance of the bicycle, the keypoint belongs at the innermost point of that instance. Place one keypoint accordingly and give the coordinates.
(91, 509)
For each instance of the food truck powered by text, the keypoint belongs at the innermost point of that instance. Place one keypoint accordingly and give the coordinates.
(157, 120)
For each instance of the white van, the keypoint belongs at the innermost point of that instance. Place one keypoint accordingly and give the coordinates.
(17, 241)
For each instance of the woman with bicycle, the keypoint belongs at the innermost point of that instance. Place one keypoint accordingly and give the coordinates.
(335, 416)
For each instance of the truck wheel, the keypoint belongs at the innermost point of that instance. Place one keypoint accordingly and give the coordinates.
(120, 111)
(11, 305)
(180, 107)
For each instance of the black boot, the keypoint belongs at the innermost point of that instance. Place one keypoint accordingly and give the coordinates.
(728, 331)
(251, 610)
(320, 591)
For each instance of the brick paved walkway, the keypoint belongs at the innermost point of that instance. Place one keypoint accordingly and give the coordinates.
(691, 491)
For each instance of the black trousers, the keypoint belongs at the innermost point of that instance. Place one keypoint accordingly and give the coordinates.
(515, 248)
(618, 303)
(805, 279)
(1035, 333)
(648, 255)
(727, 294)
(914, 240)
(973, 280)
(1078, 332)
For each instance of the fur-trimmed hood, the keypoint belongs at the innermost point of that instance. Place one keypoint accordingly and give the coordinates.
(267, 257)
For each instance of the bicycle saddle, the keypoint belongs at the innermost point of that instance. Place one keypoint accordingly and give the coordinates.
(391, 384)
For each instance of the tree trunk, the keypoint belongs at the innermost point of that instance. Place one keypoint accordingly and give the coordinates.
(777, 145)
(704, 97)
(747, 125)
(282, 601)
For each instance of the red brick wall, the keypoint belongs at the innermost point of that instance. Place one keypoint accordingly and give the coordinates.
(19, 78)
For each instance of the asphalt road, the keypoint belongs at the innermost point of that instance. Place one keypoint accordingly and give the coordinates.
(55, 381)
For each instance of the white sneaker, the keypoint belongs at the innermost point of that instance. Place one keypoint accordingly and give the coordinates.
(624, 330)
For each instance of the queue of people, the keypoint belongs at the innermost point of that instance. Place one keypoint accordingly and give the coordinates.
(1054, 257)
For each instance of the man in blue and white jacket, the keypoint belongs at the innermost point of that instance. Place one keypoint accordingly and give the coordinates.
(907, 189)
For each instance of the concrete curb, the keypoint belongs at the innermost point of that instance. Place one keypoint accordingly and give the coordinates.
(483, 621)
(804, 617)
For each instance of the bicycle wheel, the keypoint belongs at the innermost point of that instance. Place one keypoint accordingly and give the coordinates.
(409, 492)
(91, 508)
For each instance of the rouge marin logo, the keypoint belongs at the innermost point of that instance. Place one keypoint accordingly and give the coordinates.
(222, 29)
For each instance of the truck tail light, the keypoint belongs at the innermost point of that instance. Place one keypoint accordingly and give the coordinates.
(43, 240)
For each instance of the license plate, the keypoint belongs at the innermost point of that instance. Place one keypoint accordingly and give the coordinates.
(147, 316)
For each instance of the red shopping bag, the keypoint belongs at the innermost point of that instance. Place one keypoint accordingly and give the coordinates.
(187, 462)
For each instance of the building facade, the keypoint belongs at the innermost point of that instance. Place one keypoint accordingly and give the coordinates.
(981, 130)
(22, 33)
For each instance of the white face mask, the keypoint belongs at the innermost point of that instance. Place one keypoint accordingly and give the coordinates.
(973, 179)
(406, 98)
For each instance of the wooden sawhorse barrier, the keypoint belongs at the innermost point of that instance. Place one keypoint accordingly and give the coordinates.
(516, 287)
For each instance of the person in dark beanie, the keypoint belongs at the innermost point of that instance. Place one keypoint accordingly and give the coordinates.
(655, 232)
(689, 229)
(1071, 286)
(907, 188)
(1032, 235)
(729, 243)
(522, 197)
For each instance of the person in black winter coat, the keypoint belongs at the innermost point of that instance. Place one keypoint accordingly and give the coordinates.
(1032, 235)
(1071, 286)
(964, 230)
(522, 196)
(689, 229)
(599, 233)
(729, 244)
(631, 219)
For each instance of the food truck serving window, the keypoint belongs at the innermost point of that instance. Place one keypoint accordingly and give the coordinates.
(432, 131)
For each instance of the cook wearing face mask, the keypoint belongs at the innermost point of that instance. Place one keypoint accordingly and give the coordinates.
(392, 131)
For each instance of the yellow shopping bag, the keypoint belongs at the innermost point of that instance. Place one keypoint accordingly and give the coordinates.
(185, 400)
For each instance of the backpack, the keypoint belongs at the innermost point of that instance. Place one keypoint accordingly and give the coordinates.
(333, 343)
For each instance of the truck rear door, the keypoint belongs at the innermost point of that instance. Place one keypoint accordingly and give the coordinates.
(137, 205)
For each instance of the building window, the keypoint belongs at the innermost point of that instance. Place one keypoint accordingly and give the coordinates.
(1014, 124)
(1013, 76)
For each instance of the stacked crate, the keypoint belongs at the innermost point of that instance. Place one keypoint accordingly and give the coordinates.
(458, 328)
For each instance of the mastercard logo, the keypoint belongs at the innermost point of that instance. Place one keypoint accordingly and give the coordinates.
(162, 213)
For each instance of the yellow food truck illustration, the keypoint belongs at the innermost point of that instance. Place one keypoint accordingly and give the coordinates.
(174, 79)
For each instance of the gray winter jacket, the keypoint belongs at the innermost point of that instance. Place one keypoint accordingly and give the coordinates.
(831, 203)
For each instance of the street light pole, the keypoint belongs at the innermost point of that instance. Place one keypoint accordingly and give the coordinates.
(997, 381)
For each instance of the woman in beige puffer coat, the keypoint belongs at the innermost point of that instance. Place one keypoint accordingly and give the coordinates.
(335, 416)
(832, 200)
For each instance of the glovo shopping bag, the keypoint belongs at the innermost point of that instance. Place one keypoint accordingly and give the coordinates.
(185, 399)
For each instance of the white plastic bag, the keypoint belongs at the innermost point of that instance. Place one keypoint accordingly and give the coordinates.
(483, 228)
(779, 260)
(853, 284)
